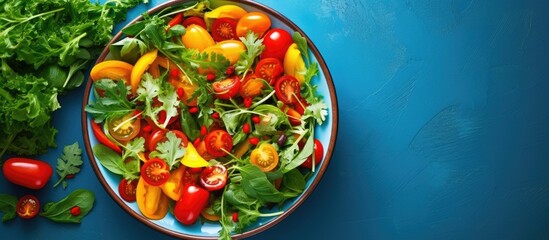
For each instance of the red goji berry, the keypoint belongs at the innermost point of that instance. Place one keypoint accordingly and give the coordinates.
(210, 77)
(235, 217)
(248, 102)
(215, 115)
(193, 110)
(75, 211)
(253, 140)
(203, 130)
(180, 93)
(246, 128)
(256, 119)
(174, 73)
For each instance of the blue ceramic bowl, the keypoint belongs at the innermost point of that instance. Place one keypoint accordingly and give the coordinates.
(169, 225)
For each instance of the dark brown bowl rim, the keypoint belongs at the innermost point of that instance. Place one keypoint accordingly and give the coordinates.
(300, 199)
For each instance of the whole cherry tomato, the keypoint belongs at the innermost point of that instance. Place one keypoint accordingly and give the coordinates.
(193, 200)
(318, 153)
(276, 41)
(29, 173)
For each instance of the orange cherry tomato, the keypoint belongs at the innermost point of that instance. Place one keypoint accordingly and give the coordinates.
(252, 87)
(231, 49)
(264, 157)
(257, 22)
(125, 128)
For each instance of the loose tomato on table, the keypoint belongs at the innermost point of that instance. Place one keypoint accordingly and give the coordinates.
(218, 143)
(224, 29)
(26, 172)
(151, 201)
(276, 42)
(193, 200)
(126, 189)
(269, 69)
(318, 154)
(265, 157)
(155, 172)
(227, 88)
(214, 177)
(256, 22)
(287, 89)
(125, 128)
(27, 206)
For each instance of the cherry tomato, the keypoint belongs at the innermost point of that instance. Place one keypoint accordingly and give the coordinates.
(151, 201)
(251, 87)
(218, 142)
(155, 172)
(224, 29)
(318, 153)
(28, 206)
(159, 136)
(276, 42)
(269, 69)
(227, 88)
(194, 20)
(126, 189)
(125, 128)
(102, 138)
(197, 37)
(29, 173)
(232, 49)
(257, 22)
(214, 177)
(300, 105)
(287, 89)
(264, 157)
(193, 200)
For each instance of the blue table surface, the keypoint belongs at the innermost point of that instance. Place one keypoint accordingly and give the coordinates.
(443, 133)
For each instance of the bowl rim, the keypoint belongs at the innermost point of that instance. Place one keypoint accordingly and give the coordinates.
(299, 200)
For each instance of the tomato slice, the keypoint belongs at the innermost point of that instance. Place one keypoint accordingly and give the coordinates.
(125, 128)
(288, 89)
(252, 87)
(318, 153)
(224, 29)
(264, 157)
(218, 143)
(269, 69)
(227, 88)
(159, 136)
(214, 177)
(194, 20)
(293, 116)
(155, 172)
(28, 206)
(126, 189)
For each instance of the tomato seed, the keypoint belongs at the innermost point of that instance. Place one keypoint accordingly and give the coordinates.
(210, 77)
(235, 217)
(203, 130)
(256, 119)
(75, 211)
(193, 110)
(246, 128)
(254, 141)
(180, 93)
(174, 73)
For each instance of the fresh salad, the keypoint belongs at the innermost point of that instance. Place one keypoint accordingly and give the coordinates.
(208, 114)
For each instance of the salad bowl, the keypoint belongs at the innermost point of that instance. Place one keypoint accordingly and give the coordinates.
(325, 133)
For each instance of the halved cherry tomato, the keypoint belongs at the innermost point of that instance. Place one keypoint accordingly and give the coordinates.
(227, 88)
(318, 153)
(214, 177)
(257, 22)
(300, 105)
(126, 189)
(125, 128)
(197, 37)
(293, 116)
(287, 89)
(224, 29)
(194, 20)
(175, 20)
(252, 87)
(276, 42)
(151, 201)
(269, 69)
(26, 172)
(102, 138)
(193, 200)
(264, 157)
(28, 206)
(159, 136)
(155, 172)
(218, 143)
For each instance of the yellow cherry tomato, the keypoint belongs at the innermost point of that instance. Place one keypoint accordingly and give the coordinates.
(140, 67)
(196, 37)
(112, 69)
(174, 186)
(294, 64)
(231, 49)
(228, 11)
(264, 157)
(151, 201)
(257, 22)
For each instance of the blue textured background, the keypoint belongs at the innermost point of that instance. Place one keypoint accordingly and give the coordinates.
(444, 127)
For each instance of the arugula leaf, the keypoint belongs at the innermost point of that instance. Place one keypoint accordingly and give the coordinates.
(7, 206)
(69, 163)
(61, 211)
(317, 110)
(170, 151)
(254, 48)
(297, 160)
(114, 103)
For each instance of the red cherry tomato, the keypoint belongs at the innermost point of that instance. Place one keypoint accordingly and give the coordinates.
(193, 200)
(155, 172)
(214, 177)
(218, 142)
(224, 29)
(318, 153)
(287, 89)
(126, 189)
(159, 136)
(276, 41)
(300, 105)
(293, 116)
(194, 20)
(29, 173)
(269, 69)
(28, 206)
(228, 88)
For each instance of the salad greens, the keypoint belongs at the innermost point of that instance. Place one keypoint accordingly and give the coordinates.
(69, 163)
(61, 211)
(46, 46)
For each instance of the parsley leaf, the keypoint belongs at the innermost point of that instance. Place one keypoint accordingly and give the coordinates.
(317, 110)
(254, 47)
(170, 151)
(69, 163)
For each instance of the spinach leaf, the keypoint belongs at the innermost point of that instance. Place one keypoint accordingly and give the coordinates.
(189, 126)
(236, 196)
(61, 211)
(113, 162)
(256, 185)
(7, 206)
(293, 183)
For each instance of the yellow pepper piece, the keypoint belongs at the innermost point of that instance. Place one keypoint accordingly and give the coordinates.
(140, 67)
(151, 201)
(228, 11)
(112, 69)
(192, 158)
(294, 64)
